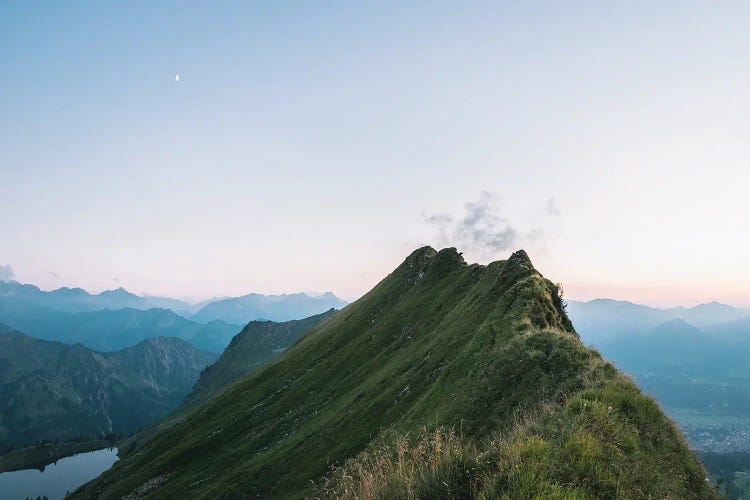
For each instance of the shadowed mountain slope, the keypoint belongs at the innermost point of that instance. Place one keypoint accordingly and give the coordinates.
(487, 351)
(53, 391)
(258, 343)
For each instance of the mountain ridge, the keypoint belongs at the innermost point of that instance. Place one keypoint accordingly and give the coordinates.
(74, 315)
(703, 314)
(258, 343)
(75, 300)
(437, 343)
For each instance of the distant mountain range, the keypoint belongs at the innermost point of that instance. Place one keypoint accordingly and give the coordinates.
(74, 300)
(54, 391)
(604, 319)
(238, 310)
(111, 330)
(116, 319)
(254, 306)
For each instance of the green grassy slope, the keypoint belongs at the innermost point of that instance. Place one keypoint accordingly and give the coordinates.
(484, 350)
(257, 343)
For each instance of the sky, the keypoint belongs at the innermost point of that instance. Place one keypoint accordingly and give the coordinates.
(313, 145)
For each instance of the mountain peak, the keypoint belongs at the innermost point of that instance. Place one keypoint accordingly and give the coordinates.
(521, 258)
(449, 257)
(676, 324)
(70, 292)
(436, 343)
(117, 292)
(421, 254)
(426, 261)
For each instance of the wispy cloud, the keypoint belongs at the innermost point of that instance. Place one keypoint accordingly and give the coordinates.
(483, 230)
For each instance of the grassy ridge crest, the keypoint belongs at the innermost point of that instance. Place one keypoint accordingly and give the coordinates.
(439, 344)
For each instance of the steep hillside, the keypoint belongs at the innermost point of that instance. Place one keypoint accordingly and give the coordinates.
(52, 391)
(439, 345)
(214, 336)
(258, 343)
(240, 310)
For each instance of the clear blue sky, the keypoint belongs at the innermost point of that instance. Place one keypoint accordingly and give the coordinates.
(312, 145)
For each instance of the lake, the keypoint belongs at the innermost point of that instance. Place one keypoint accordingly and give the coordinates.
(57, 479)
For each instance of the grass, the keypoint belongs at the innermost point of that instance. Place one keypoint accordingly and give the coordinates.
(438, 345)
(258, 343)
(584, 448)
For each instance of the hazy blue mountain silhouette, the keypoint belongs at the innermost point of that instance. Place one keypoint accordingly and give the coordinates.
(110, 330)
(241, 310)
